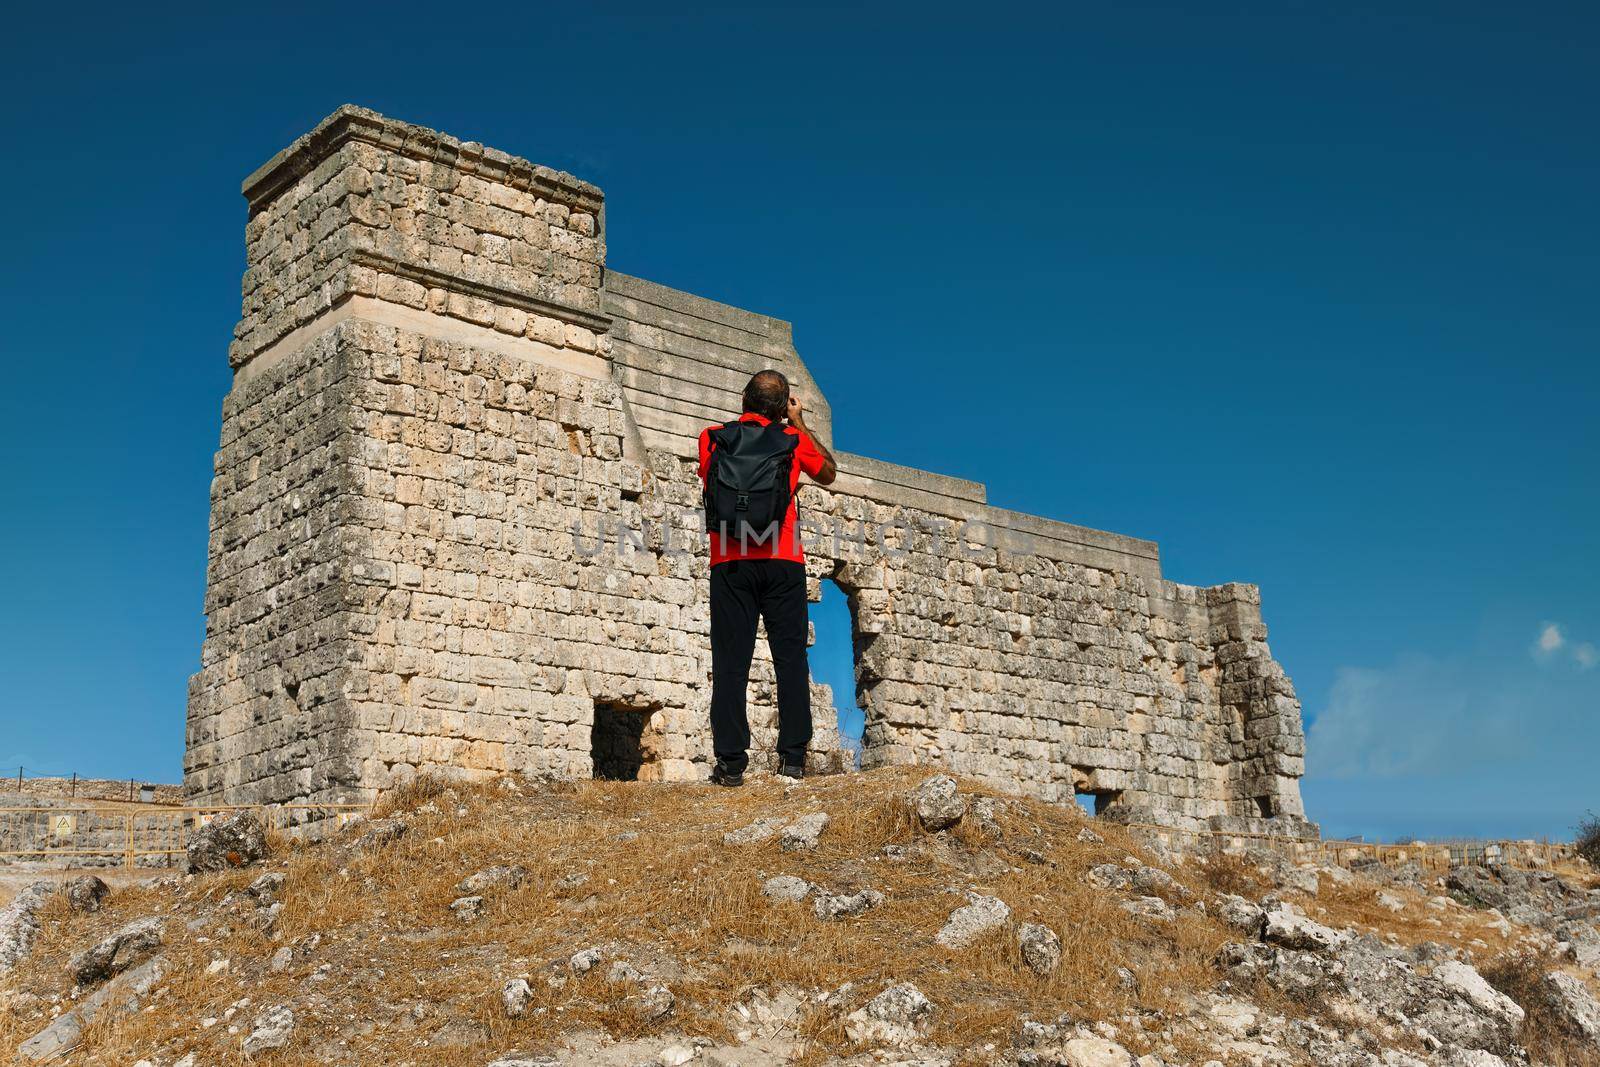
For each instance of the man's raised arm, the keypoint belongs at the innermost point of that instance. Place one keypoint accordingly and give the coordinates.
(830, 469)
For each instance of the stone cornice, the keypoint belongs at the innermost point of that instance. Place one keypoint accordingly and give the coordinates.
(352, 123)
(437, 279)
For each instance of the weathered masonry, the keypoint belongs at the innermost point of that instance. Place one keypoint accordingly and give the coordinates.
(454, 526)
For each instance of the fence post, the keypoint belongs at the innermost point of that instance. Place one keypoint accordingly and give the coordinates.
(127, 825)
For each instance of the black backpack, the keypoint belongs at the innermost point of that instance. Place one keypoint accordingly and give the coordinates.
(747, 481)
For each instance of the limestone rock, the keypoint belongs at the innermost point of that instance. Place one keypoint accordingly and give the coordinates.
(514, 996)
(1573, 1004)
(986, 811)
(233, 839)
(786, 887)
(378, 832)
(1239, 913)
(267, 886)
(938, 802)
(980, 915)
(1538, 898)
(829, 906)
(1472, 1057)
(1285, 928)
(1094, 1052)
(761, 830)
(492, 878)
(1154, 880)
(1040, 947)
(66, 1030)
(19, 924)
(898, 1016)
(623, 971)
(583, 962)
(85, 893)
(1336, 875)
(1149, 908)
(801, 835)
(467, 909)
(1110, 876)
(130, 945)
(676, 1055)
(270, 1030)
(1087, 836)
(1583, 943)
(1300, 879)
(654, 1002)
(1464, 980)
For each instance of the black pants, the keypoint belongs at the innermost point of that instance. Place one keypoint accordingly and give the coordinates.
(775, 591)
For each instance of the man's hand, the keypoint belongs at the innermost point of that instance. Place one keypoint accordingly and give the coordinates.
(793, 414)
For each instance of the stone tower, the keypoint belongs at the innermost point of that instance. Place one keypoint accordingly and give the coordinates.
(454, 527)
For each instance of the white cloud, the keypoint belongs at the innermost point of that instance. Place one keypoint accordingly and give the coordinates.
(1484, 741)
(1553, 639)
(1550, 638)
(1417, 717)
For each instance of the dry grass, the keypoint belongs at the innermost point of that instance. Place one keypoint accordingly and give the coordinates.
(1518, 975)
(1228, 872)
(1356, 905)
(1587, 840)
(1578, 872)
(683, 907)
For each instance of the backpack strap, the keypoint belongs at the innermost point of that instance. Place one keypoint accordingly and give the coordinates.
(720, 433)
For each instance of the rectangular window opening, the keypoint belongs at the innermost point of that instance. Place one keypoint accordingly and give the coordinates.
(1098, 801)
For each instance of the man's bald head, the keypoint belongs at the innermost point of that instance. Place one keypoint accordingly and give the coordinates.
(767, 395)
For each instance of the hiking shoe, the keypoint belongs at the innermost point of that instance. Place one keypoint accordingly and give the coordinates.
(720, 775)
(791, 770)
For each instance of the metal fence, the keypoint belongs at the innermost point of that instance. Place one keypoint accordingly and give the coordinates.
(1433, 856)
(98, 835)
(133, 836)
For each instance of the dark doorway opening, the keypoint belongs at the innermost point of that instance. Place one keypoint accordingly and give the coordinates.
(621, 744)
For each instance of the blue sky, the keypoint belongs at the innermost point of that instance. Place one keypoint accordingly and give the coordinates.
(1303, 292)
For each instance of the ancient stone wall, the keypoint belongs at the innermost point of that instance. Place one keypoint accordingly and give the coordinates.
(455, 526)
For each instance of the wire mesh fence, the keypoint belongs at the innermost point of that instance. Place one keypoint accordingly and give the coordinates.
(65, 833)
(97, 835)
(1434, 856)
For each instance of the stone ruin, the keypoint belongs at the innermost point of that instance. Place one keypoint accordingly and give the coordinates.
(455, 526)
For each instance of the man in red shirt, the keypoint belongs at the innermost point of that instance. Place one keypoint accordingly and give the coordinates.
(757, 575)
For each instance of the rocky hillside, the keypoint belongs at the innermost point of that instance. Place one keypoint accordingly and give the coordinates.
(886, 917)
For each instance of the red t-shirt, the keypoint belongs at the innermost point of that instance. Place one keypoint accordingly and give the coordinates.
(806, 458)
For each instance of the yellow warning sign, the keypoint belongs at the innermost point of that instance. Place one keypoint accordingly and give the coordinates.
(63, 825)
